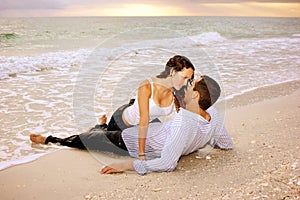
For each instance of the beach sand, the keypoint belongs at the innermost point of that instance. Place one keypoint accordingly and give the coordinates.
(264, 164)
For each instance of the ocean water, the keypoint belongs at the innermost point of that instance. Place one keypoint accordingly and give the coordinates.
(58, 74)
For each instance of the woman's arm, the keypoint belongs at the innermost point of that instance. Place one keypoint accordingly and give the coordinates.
(144, 93)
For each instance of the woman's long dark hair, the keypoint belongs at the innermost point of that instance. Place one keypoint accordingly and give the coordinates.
(177, 63)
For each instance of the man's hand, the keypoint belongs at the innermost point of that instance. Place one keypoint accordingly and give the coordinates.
(110, 170)
(117, 167)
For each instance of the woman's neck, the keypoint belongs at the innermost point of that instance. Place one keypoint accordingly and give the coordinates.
(164, 82)
(163, 92)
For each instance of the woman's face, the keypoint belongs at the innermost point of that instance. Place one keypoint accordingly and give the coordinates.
(181, 78)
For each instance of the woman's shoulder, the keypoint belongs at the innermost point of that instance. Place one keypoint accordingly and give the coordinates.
(145, 84)
(145, 88)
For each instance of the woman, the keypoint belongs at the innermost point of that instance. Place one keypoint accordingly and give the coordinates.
(155, 99)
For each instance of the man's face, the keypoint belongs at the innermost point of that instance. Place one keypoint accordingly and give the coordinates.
(189, 93)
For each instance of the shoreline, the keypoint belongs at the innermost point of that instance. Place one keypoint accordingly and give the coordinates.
(264, 163)
(263, 93)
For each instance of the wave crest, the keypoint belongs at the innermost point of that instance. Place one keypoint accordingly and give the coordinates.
(7, 36)
(208, 38)
(11, 66)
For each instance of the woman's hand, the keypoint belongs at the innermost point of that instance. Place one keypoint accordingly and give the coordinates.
(142, 157)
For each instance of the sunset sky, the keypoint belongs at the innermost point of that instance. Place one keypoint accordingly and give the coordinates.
(40, 8)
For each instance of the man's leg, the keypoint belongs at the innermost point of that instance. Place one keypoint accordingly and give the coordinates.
(102, 140)
(98, 139)
(72, 141)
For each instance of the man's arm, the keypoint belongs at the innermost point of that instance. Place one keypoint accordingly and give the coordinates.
(170, 155)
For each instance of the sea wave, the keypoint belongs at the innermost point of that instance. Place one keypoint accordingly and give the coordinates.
(25, 159)
(11, 66)
(208, 38)
(7, 36)
(203, 39)
(28, 158)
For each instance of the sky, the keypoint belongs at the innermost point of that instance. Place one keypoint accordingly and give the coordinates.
(43, 8)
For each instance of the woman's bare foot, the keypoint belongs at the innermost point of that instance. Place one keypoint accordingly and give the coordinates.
(37, 138)
(102, 119)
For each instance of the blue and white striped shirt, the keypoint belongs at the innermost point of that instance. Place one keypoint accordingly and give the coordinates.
(183, 134)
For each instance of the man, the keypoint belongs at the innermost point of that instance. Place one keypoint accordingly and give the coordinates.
(190, 129)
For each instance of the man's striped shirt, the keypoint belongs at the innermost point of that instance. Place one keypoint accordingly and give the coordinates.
(183, 134)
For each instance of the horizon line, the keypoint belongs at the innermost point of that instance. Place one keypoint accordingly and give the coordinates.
(148, 16)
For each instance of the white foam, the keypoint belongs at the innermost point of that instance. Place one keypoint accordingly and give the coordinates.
(13, 65)
(208, 38)
(202, 39)
(25, 159)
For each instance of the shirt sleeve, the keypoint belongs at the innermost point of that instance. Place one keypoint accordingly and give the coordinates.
(220, 136)
(170, 154)
(222, 140)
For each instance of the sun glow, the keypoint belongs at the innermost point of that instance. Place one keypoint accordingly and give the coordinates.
(250, 9)
(257, 9)
(142, 10)
(188, 8)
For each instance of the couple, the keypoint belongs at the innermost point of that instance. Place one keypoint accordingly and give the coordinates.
(162, 144)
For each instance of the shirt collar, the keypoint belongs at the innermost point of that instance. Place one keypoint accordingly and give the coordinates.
(192, 116)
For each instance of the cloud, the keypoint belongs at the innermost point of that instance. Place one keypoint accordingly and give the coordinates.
(31, 4)
(238, 1)
(62, 4)
(102, 7)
